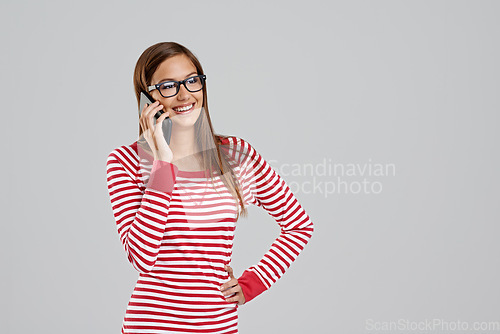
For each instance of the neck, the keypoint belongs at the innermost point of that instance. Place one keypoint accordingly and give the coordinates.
(183, 143)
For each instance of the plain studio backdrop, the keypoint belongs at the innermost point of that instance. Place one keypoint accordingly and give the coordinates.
(382, 116)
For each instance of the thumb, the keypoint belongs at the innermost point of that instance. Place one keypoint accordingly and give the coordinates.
(161, 118)
(229, 270)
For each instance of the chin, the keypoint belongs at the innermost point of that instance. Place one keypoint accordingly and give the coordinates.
(186, 120)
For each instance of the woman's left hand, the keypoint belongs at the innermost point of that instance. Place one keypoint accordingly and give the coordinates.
(231, 287)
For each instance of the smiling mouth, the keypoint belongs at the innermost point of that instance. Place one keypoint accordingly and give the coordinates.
(184, 110)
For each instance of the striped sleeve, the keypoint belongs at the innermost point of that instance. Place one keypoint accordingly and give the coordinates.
(271, 192)
(140, 216)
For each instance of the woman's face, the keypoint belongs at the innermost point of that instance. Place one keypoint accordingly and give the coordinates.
(178, 68)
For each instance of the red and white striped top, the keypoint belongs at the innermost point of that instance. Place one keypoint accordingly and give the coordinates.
(177, 231)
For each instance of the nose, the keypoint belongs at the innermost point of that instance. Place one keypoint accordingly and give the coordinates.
(183, 93)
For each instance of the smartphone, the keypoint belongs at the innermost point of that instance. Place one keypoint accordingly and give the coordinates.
(167, 122)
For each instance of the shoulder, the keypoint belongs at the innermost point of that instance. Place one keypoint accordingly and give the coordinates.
(125, 155)
(124, 152)
(238, 148)
(229, 140)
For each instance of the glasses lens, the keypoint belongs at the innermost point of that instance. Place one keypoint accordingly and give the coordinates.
(168, 88)
(194, 84)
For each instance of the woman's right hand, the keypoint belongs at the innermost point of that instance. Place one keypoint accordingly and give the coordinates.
(153, 133)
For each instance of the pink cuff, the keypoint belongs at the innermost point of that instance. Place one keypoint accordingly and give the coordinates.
(163, 175)
(251, 285)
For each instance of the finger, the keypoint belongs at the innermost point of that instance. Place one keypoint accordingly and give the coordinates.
(152, 105)
(229, 284)
(147, 109)
(232, 299)
(234, 289)
(229, 270)
(141, 123)
(230, 289)
(144, 128)
(143, 110)
(152, 114)
(238, 298)
(164, 115)
(161, 118)
(142, 116)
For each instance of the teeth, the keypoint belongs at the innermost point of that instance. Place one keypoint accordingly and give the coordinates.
(184, 108)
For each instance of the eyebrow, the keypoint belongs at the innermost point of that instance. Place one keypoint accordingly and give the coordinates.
(169, 79)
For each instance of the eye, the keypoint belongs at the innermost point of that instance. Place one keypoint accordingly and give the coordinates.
(168, 85)
(192, 80)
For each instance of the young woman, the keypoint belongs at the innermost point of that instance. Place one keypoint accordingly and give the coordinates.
(176, 206)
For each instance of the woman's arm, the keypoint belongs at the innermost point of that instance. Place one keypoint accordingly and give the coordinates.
(140, 218)
(269, 191)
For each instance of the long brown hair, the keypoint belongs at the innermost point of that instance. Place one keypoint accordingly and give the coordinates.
(212, 159)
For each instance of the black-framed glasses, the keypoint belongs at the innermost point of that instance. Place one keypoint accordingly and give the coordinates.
(171, 88)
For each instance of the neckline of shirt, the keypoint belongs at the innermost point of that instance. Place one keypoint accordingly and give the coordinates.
(182, 173)
(197, 173)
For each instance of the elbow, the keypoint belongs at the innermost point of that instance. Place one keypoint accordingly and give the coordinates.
(141, 262)
(140, 266)
(310, 228)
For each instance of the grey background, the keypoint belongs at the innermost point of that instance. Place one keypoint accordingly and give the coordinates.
(409, 83)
